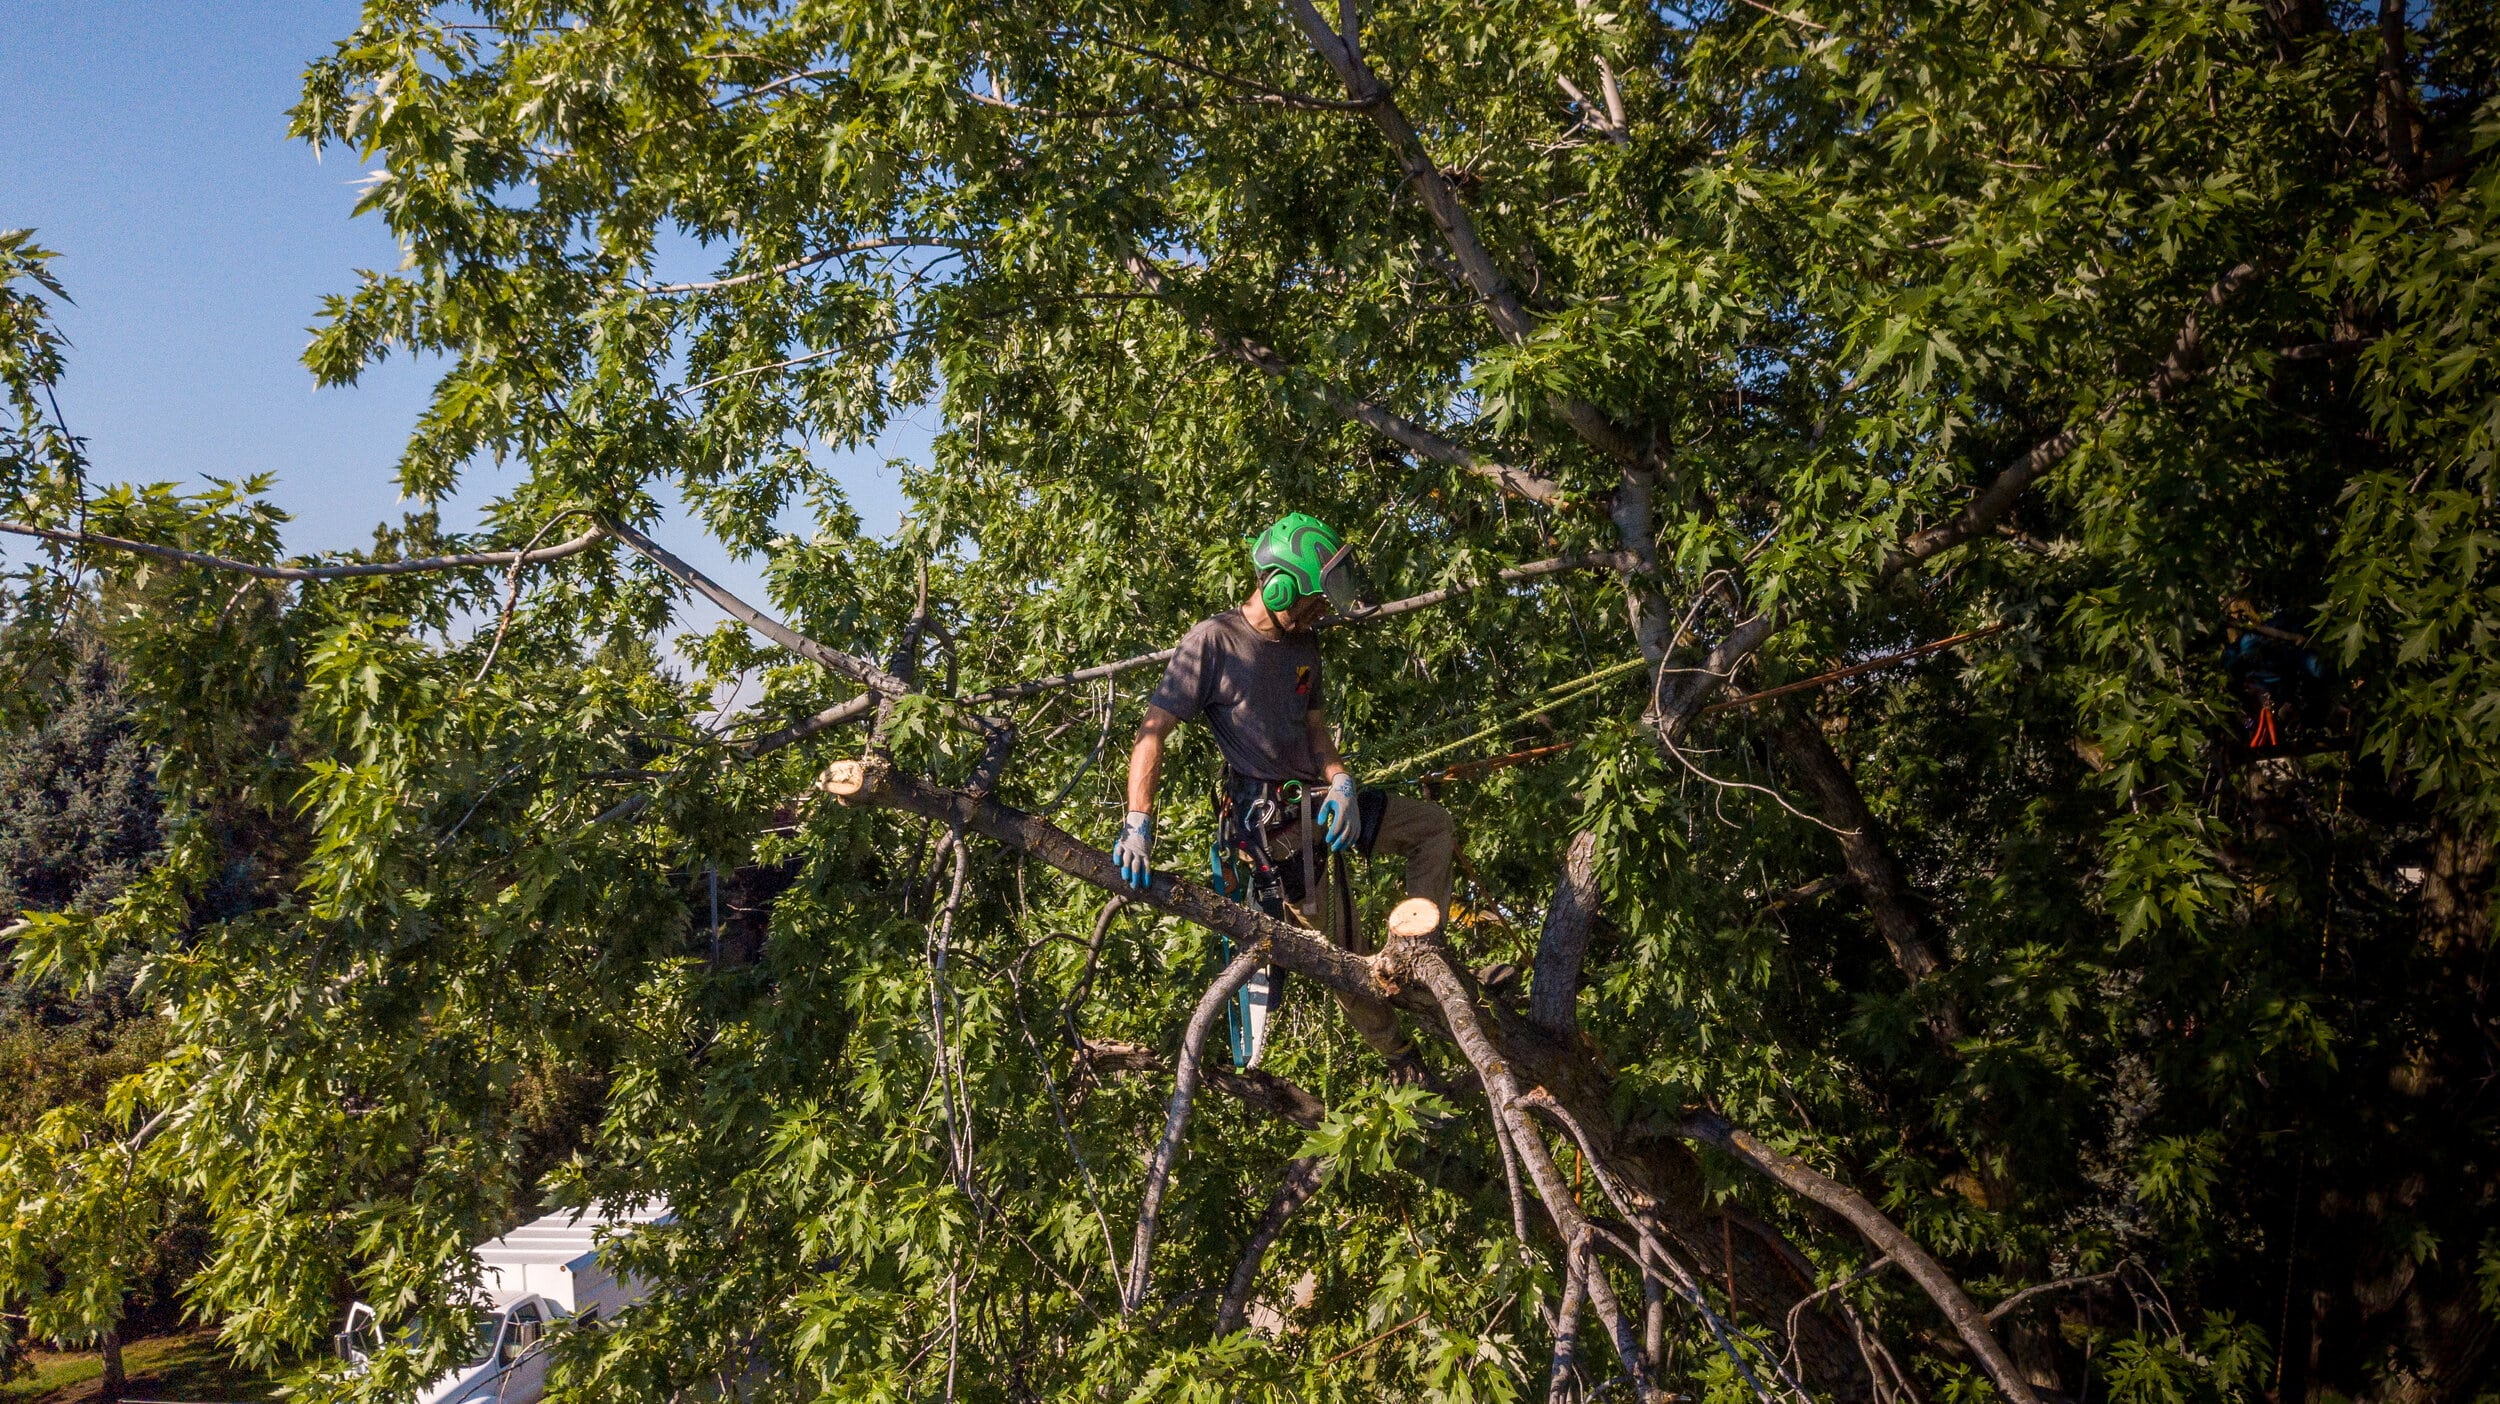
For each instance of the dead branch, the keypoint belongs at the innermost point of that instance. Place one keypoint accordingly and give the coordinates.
(357, 571)
(1804, 1180)
(1301, 1180)
(1554, 997)
(1176, 1116)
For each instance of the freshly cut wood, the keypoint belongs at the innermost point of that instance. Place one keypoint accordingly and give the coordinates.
(1415, 917)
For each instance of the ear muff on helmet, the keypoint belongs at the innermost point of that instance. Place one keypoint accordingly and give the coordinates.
(1279, 593)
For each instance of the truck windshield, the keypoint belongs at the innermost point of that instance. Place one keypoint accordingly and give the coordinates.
(482, 1337)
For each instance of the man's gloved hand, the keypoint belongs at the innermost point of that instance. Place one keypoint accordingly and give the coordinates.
(1337, 812)
(1136, 848)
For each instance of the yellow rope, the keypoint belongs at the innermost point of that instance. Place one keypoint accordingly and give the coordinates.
(1571, 691)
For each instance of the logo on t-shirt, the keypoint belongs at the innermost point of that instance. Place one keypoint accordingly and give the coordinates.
(1302, 681)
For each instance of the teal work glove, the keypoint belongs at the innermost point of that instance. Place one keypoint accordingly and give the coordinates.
(1135, 849)
(1337, 813)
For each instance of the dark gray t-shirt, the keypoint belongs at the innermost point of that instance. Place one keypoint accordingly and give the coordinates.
(1255, 693)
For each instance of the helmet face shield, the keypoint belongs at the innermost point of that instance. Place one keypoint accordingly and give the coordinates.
(1337, 579)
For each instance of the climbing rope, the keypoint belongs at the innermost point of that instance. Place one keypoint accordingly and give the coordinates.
(1559, 695)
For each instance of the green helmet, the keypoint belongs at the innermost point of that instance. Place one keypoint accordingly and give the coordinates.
(1301, 556)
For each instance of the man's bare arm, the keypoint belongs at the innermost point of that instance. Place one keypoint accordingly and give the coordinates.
(1323, 748)
(1145, 759)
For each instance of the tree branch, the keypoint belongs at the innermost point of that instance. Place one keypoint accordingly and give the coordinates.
(1554, 996)
(1386, 423)
(1302, 1179)
(1681, 702)
(1510, 575)
(2182, 365)
(849, 665)
(811, 260)
(1869, 861)
(1263, 94)
(1810, 1183)
(2001, 1309)
(358, 571)
(1343, 52)
(1425, 962)
(1176, 1116)
(1567, 1323)
(1663, 1169)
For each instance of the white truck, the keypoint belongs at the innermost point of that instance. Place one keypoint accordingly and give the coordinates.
(544, 1272)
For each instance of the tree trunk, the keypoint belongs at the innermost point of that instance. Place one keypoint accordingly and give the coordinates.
(115, 1384)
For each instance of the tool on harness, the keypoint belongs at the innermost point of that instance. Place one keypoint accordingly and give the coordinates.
(1243, 869)
(1301, 556)
(1242, 866)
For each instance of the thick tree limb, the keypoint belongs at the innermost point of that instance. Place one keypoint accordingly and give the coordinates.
(1869, 860)
(358, 571)
(1662, 1169)
(1804, 1180)
(1554, 997)
(1428, 964)
(1176, 1116)
(1302, 1179)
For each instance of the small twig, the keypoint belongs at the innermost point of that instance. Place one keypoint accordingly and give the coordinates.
(512, 594)
(810, 261)
(1791, 18)
(1366, 1345)
(2060, 1285)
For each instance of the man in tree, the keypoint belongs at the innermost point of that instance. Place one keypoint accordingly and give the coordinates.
(1253, 672)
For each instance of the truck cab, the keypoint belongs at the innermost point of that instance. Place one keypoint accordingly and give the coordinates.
(536, 1277)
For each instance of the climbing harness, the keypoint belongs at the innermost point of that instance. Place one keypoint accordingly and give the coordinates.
(1244, 870)
(1242, 866)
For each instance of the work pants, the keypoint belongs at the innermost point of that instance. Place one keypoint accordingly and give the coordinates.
(1416, 830)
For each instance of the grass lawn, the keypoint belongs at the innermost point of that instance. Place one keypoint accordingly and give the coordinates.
(189, 1367)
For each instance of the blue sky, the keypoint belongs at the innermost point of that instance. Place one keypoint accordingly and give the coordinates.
(146, 142)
